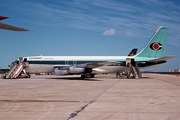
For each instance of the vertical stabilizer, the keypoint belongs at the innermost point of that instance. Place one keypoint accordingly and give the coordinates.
(133, 52)
(156, 45)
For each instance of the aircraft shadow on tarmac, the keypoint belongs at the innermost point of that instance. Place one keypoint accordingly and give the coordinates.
(92, 79)
(145, 77)
(75, 78)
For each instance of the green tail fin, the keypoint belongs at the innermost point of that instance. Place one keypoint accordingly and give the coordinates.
(156, 45)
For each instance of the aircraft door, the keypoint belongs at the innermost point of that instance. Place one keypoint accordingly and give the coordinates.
(128, 60)
(74, 63)
(132, 62)
(25, 59)
(66, 62)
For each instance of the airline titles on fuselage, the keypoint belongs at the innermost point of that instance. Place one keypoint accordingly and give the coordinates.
(32, 58)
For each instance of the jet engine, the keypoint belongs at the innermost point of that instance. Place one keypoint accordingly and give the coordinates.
(69, 70)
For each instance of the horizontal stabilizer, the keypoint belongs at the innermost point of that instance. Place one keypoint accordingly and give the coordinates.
(162, 59)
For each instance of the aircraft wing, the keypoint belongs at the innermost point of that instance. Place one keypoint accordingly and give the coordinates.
(10, 27)
(162, 59)
(89, 65)
(94, 65)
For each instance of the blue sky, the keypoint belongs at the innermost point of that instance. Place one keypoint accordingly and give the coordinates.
(87, 27)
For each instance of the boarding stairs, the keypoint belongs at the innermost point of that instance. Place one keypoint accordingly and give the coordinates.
(134, 70)
(16, 69)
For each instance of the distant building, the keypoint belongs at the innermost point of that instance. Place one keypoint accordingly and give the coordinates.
(174, 70)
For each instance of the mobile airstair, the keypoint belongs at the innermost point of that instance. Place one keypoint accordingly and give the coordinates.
(16, 68)
(134, 70)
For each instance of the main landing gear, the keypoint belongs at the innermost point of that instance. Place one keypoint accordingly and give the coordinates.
(87, 76)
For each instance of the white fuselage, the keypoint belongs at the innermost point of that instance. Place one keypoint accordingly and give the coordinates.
(45, 64)
(43, 68)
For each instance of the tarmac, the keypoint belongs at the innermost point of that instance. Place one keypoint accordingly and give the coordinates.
(105, 97)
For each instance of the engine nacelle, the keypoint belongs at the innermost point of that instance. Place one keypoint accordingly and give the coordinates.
(59, 70)
(74, 70)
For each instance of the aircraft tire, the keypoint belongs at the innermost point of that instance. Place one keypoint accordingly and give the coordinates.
(92, 75)
(88, 76)
(83, 76)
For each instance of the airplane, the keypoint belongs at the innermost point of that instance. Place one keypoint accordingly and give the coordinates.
(133, 52)
(88, 66)
(10, 27)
